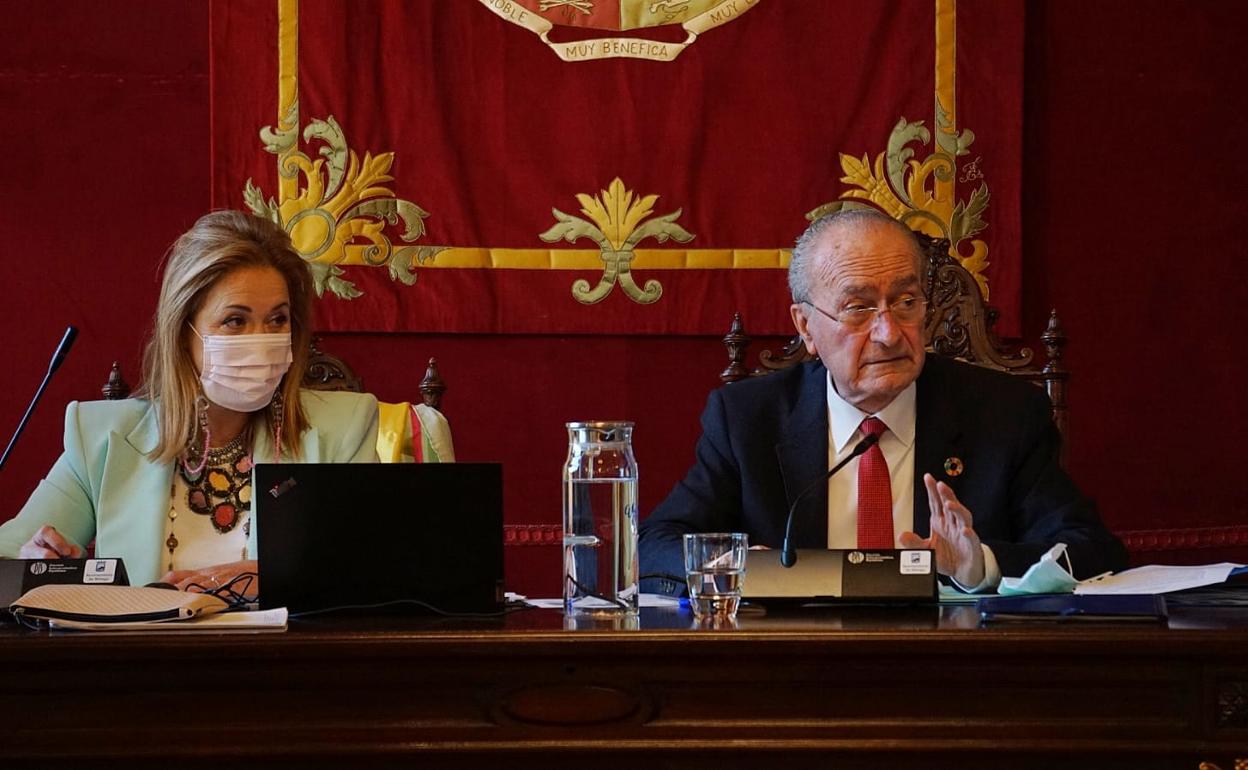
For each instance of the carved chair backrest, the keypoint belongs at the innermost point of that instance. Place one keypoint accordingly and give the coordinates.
(329, 372)
(324, 372)
(958, 324)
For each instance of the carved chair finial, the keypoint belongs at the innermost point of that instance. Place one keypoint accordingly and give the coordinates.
(737, 341)
(116, 388)
(432, 386)
(1054, 339)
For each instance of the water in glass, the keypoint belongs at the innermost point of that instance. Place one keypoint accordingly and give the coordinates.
(715, 572)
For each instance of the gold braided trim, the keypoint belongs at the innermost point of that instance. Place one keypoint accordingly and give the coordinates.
(287, 93)
(946, 85)
(591, 259)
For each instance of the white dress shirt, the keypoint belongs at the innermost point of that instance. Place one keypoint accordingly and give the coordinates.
(897, 445)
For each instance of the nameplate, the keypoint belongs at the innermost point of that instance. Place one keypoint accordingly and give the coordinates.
(820, 575)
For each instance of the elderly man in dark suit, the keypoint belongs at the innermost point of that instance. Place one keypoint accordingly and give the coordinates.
(967, 458)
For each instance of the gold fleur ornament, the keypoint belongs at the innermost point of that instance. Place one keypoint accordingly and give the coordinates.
(617, 222)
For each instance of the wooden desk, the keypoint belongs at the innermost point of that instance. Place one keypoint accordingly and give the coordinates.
(879, 688)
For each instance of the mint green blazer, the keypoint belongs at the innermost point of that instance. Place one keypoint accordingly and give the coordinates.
(103, 486)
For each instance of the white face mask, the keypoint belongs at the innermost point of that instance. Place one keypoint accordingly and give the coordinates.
(242, 371)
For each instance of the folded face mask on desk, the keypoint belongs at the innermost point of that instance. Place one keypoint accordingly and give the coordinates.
(1046, 576)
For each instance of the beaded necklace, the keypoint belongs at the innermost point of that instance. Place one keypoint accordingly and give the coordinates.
(219, 488)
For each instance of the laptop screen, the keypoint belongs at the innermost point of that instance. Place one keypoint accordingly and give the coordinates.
(420, 536)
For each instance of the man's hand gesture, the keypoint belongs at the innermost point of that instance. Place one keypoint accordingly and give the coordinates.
(958, 551)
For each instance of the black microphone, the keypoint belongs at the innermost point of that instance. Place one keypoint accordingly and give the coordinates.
(58, 357)
(788, 554)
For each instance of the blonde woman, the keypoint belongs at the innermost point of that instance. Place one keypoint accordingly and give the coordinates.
(164, 480)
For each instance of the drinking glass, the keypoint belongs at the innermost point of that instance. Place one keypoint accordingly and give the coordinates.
(715, 572)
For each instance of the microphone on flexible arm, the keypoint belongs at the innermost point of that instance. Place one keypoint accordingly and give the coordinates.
(57, 358)
(788, 554)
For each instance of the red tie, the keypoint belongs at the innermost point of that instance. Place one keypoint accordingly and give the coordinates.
(875, 494)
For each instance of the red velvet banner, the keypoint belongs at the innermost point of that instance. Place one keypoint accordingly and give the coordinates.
(520, 186)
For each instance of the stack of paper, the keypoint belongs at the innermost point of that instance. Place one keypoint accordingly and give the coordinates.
(1160, 579)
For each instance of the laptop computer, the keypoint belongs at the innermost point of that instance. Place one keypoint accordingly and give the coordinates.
(420, 536)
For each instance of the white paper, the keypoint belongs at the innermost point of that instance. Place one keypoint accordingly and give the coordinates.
(1158, 579)
(645, 600)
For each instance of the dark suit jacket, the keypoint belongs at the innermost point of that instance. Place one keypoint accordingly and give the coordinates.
(764, 440)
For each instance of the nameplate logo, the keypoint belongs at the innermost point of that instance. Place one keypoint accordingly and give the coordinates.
(916, 562)
(100, 571)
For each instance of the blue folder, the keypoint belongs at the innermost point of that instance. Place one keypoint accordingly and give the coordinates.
(1073, 607)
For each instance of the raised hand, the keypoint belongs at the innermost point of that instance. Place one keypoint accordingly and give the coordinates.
(959, 553)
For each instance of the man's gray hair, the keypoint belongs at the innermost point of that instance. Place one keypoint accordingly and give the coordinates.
(801, 282)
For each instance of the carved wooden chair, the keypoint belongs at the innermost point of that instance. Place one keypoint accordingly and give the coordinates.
(329, 372)
(958, 324)
(405, 432)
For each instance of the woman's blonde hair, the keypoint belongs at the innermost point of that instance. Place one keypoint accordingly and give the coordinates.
(219, 243)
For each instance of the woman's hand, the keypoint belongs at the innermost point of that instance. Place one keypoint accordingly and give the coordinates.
(218, 575)
(47, 543)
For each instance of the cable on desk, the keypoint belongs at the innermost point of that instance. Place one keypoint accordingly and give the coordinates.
(409, 602)
(600, 597)
(233, 592)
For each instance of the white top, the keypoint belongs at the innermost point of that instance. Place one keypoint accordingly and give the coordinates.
(897, 444)
(199, 543)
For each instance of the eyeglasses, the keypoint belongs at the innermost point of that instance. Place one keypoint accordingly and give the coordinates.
(906, 311)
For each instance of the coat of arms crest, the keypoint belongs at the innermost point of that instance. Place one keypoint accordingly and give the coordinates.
(693, 16)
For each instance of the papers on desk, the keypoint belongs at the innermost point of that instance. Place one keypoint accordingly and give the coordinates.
(1149, 579)
(1160, 579)
(645, 600)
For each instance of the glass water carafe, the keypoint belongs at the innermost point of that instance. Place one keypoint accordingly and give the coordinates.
(600, 519)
